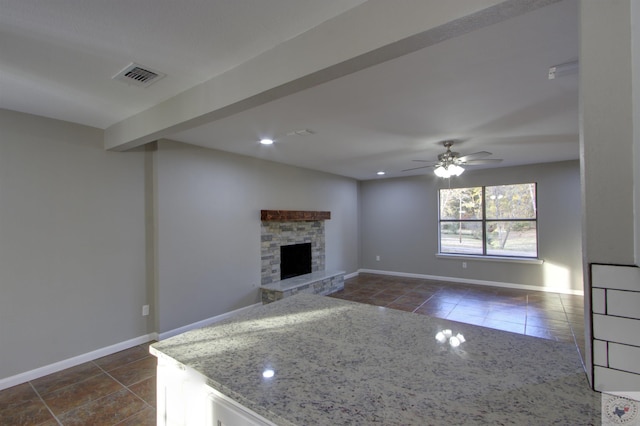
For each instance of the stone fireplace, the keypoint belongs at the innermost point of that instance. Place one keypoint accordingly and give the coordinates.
(284, 228)
(276, 234)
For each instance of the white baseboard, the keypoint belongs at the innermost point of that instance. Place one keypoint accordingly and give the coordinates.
(473, 281)
(351, 275)
(72, 362)
(108, 350)
(203, 323)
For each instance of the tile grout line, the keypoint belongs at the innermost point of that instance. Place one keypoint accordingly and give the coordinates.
(122, 386)
(45, 404)
(62, 388)
(97, 399)
(147, 405)
(127, 387)
(573, 333)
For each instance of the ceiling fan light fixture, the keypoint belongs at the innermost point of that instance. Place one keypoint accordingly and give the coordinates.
(456, 170)
(441, 172)
(448, 171)
(449, 163)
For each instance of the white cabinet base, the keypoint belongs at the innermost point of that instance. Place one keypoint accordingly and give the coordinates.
(223, 411)
(184, 399)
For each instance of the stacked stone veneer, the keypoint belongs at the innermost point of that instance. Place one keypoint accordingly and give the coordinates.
(276, 234)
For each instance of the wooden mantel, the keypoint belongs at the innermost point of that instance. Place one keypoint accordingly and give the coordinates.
(292, 215)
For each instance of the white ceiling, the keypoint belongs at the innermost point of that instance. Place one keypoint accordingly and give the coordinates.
(487, 89)
(58, 56)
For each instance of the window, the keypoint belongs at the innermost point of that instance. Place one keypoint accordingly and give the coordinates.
(489, 221)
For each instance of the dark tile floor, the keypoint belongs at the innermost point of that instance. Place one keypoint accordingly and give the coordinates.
(119, 389)
(550, 316)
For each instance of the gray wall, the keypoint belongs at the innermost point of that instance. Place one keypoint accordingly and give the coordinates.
(88, 236)
(72, 248)
(607, 130)
(208, 226)
(399, 223)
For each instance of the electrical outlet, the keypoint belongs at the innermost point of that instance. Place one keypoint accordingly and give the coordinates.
(145, 310)
(378, 258)
(464, 265)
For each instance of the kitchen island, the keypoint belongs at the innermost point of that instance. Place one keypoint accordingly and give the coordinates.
(314, 360)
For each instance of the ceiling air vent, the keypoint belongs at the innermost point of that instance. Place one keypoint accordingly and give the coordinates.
(138, 75)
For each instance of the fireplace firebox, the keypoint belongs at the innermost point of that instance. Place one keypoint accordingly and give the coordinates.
(295, 259)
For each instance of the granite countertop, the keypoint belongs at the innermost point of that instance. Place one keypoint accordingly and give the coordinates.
(344, 363)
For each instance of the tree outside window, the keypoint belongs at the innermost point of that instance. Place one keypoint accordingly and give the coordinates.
(489, 221)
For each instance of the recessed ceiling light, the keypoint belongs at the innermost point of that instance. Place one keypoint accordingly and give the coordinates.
(380, 173)
(266, 141)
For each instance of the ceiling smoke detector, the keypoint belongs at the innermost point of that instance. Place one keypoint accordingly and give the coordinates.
(138, 75)
(301, 132)
(563, 69)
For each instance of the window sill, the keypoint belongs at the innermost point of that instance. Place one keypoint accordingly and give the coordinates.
(529, 260)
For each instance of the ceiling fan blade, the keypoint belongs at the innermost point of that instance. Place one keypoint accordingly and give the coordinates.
(484, 161)
(426, 161)
(473, 156)
(416, 168)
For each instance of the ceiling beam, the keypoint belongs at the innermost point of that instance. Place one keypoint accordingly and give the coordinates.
(371, 33)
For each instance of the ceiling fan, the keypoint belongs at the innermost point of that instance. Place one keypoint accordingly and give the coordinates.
(450, 163)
